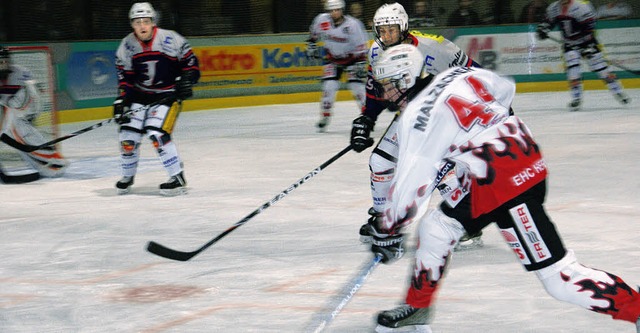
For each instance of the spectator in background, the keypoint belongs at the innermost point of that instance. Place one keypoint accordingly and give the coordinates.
(357, 11)
(533, 12)
(422, 16)
(499, 12)
(464, 15)
(614, 10)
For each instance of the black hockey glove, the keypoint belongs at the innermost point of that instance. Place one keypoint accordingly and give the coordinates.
(361, 132)
(184, 87)
(312, 50)
(121, 108)
(543, 30)
(389, 247)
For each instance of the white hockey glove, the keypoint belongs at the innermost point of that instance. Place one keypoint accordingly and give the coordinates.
(312, 50)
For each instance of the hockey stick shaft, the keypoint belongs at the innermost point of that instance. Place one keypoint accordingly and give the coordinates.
(334, 306)
(613, 63)
(163, 251)
(30, 148)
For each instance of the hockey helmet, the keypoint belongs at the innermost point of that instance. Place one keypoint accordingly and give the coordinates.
(142, 9)
(399, 66)
(334, 4)
(390, 14)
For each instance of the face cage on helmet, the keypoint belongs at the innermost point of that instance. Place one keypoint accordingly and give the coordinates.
(398, 98)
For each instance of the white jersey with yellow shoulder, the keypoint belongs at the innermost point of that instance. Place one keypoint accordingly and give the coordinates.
(439, 53)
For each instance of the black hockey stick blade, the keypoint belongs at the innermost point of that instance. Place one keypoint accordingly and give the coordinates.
(20, 178)
(165, 252)
(31, 148)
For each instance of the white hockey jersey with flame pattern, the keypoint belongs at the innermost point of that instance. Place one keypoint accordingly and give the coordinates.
(463, 116)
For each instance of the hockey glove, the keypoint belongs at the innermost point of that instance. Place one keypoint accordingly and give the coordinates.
(361, 132)
(543, 30)
(184, 87)
(121, 109)
(389, 247)
(312, 50)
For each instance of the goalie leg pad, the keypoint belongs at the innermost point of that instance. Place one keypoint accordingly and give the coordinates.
(592, 289)
(438, 234)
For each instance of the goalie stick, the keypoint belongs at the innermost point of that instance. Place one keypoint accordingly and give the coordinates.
(612, 63)
(163, 251)
(30, 148)
(323, 318)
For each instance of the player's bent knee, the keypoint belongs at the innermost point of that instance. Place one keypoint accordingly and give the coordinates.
(438, 235)
(128, 147)
(159, 139)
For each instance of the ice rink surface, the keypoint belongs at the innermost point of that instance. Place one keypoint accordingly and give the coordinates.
(74, 259)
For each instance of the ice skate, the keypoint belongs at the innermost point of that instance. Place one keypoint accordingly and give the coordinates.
(365, 234)
(124, 185)
(468, 242)
(622, 98)
(176, 185)
(323, 123)
(575, 104)
(405, 317)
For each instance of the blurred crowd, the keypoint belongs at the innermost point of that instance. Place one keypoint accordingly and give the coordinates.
(72, 20)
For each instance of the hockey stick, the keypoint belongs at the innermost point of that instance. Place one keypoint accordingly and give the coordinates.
(30, 148)
(614, 64)
(163, 251)
(334, 306)
(332, 309)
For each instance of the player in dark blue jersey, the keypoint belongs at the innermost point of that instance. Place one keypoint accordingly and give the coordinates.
(156, 67)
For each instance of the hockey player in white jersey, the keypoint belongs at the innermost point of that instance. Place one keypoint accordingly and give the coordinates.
(391, 27)
(345, 49)
(21, 104)
(577, 22)
(153, 65)
(464, 117)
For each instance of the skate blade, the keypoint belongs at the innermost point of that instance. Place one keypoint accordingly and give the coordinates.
(123, 191)
(173, 192)
(469, 245)
(404, 329)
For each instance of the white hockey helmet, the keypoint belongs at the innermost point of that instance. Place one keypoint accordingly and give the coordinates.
(142, 9)
(334, 4)
(401, 66)
(390, 14)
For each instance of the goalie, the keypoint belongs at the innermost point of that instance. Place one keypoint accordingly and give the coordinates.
(21, 105)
